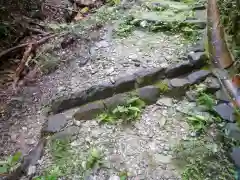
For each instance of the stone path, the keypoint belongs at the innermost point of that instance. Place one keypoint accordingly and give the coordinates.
(144, 148)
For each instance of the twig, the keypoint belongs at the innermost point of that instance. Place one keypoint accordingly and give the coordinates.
(12, 49)
(38, 31)
(61, 7)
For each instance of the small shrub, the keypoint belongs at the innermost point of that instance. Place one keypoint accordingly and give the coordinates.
(10, 163)
(94, 159)
(163, 86)
(128, 112)
(206, 100)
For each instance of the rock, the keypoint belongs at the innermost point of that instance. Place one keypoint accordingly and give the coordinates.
(220, 95)
(55, 123)
(165, 101)
(198, 76)
(162, 121)
(235, 155)
(89, 111)
(114, 178)
(149, 94)
(199, 7)
(93, 93)
(67, 132)
(179, 82)
(198, 47)
(198, 59)
(126, 83)
(114, 101)
(144, 24)
(31, 170)
(88, 3)
(149, 76)
(225, 111)
(102, 44)
(178, 69)
(191, 95)
(233, 131)
(212, 84)
(82, 61)
(201, 24)
(110, 71)
(133, 57)
(163, 158)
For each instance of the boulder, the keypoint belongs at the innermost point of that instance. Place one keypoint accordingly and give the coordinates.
(179, 82)
(235, 155)
(89, 111)
(198, 59)
(148, 94)
(149, 76)
(55, 123)
(198, 76)
(179, 69)
(225, 111)
(233, 130)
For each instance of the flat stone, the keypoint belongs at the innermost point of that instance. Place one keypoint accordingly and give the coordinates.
(179, 82)
(179, 69)
(163, 158)
(220, 95)
(235, 155)
(212, 84)
(201, 24)
(165, 101)
(198, 59)
(67, 132)
(198, 76)
(114, 101)
(55, 123)
(133, 57)
(89, 111)
(149, 76)
(148, 94)
(233, 130)
(126, 83)
(114, 178)
(225, 111)
(93, 93)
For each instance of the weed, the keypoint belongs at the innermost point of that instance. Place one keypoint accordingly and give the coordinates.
(128, 112)
(163, 86)
(206, 100)
(94, 159)
(123, 175)
(124, 30)
(198, 123)
(10, 163)
(202, 159)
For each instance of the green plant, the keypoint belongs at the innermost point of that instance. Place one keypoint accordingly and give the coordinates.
(202, 159)
(206, 100)
(128, 112)
(198, 123)
(94, 159)
(124, 29)
(163, 86)
(10, 163)
(123, 175)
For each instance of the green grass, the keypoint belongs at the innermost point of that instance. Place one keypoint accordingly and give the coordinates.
(66, 161)
(127, 113)
(10, 163)
(202, 159)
